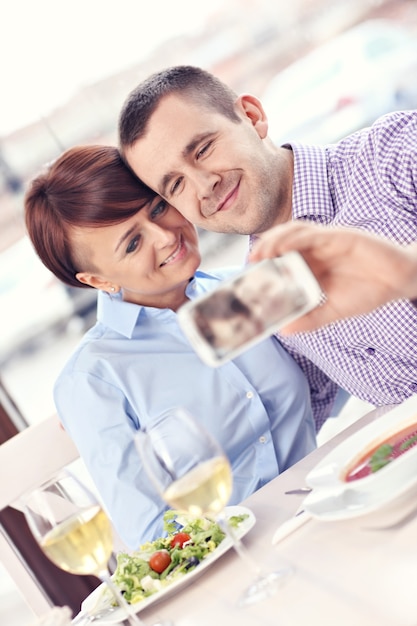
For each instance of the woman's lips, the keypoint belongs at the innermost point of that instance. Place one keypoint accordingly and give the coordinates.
(175, 254)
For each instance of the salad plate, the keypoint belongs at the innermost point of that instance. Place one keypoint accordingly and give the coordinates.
(370, 471)
(99, 600)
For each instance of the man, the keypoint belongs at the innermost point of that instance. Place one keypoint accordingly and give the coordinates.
(207, 151)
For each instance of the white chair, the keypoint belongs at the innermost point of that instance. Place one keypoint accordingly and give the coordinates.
(26, 460)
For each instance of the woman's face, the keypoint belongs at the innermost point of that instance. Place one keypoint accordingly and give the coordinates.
(150, 256)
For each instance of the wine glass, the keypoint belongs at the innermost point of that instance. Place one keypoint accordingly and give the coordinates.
(74, 532)
(190, 471)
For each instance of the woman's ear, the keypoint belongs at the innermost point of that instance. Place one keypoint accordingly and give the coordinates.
(251, 107)
(95, 281)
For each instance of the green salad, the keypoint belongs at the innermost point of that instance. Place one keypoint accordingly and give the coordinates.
(158, 563)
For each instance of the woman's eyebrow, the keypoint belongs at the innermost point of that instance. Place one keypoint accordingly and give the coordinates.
(125, 236)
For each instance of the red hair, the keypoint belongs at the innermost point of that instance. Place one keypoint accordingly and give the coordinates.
(86, 186)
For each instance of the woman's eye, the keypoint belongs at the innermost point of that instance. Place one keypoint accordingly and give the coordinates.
(203, 150)
(159, 209)
(133, 244)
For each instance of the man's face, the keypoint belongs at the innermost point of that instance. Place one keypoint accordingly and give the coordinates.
(221, 175)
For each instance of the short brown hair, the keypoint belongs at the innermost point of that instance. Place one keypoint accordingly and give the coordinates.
(194, 82)
(86, 186)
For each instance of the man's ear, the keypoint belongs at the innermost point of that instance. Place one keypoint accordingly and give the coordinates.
(95, 281)
(251, 107)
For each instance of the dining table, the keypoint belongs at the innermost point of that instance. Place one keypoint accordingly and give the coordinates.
(346, 572)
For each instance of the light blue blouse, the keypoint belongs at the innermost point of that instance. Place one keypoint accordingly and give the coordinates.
(135, 363)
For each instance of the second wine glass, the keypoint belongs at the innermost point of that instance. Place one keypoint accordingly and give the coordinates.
(191, 472)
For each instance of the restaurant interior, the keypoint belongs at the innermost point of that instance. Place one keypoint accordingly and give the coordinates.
(307, 546)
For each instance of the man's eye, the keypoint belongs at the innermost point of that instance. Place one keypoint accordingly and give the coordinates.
(133, 244)
(203, 150)
(176, 186)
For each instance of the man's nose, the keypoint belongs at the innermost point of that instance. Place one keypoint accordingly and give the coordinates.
(205, 183)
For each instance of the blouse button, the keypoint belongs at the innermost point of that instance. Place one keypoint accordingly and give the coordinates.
(370, 351)
(249, 394)
(262, 439)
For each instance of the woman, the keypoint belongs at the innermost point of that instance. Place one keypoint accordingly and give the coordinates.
(94, 224)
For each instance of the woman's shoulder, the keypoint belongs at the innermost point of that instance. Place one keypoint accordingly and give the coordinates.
(219, 273)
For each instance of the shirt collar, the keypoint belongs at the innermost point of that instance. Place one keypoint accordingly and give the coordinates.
(122, 317)
(114, 312)
(311, 191)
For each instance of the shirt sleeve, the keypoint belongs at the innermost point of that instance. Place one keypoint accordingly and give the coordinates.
(323, 390)
(394, 138)
(102, 425)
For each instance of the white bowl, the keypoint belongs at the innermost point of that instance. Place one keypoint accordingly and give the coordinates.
(333, 497)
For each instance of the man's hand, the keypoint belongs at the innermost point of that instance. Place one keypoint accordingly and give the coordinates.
(357, 271)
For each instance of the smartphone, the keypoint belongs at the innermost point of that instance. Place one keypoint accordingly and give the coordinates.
(249, 307)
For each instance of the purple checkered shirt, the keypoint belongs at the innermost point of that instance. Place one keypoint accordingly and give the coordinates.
(367, 181)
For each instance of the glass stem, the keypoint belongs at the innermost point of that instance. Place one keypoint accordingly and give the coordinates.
(237, 544)
(131, 617)
(265, 583)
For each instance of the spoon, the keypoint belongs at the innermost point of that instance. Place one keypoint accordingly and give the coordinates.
(300, 490)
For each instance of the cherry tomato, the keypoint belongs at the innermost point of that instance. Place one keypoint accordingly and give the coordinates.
(179, 539)
(159, 561)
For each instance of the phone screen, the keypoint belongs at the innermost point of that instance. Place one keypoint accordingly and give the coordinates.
(249, 307)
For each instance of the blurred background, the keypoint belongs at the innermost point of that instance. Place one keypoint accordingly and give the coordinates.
(323, 69)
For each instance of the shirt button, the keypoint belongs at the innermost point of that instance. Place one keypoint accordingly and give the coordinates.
(262, 439)
(370, 351)
(413, 386)
(249, 394)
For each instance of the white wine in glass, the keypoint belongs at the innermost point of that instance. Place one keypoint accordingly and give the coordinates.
(190, 471)
(204, 490)
(74, 532)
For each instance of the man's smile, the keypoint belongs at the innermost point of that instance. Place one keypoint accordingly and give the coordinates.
(225, 203)
(229, 199)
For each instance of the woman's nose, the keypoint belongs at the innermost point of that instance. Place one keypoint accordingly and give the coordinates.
(161, 236)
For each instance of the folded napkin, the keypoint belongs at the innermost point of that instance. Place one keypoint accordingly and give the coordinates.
(58, 616)
(288, 527)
